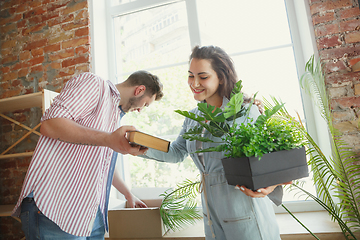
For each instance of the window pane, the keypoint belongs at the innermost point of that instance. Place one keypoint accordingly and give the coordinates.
(157, 39)
(271, 73)
(119, 2)
(243, 25)
(161, 120)
(152, 38)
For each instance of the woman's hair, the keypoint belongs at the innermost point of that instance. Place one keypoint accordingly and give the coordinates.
(223, 65)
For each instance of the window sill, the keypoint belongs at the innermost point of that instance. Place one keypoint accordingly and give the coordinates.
(318, 222)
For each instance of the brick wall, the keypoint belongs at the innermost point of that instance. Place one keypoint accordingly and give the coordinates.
(337, 30)
(43, 43)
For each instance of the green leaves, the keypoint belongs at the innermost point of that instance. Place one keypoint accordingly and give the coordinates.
(247, 140)
(234, 109)
(234, 106)
(211, 113)
(267, 114)
(218, 148)
(178, 208)
(217, 125)
(190, 115)
(237, 88)
(336, 177)
(242, 140)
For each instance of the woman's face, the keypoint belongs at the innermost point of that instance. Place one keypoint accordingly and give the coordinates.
(203, 82)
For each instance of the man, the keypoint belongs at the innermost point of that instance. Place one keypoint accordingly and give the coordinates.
(65, 191)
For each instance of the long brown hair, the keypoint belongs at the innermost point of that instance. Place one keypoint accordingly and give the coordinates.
(223, 65)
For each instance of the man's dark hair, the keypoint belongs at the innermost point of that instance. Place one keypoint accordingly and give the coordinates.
(150, 81)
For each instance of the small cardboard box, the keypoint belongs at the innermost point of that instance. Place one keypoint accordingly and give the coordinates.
(125, 222)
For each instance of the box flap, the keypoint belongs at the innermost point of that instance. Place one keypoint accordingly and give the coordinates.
(125, 222)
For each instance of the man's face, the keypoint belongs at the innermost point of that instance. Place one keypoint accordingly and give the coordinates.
(137, 103)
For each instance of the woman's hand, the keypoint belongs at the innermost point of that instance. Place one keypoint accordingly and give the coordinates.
(261, 192)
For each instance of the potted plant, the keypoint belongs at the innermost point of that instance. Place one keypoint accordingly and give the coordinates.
(259, 153)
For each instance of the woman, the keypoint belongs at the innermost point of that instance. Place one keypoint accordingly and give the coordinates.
(228, 213)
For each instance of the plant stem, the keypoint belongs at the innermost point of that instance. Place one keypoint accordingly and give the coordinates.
(299, 222)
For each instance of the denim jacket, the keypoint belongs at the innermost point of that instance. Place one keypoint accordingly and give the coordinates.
(233, 215)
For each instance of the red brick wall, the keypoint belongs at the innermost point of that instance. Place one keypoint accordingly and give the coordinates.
(43, 43)
(337, 31)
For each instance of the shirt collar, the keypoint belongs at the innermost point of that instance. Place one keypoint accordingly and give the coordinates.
(114, 90)
(116, 94)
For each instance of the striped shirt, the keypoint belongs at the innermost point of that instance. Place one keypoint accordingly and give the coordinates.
(69, 180)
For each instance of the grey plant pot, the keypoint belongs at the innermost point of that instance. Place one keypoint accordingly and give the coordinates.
(273, 168)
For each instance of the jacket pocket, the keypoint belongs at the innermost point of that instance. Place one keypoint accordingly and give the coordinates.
(234, 220)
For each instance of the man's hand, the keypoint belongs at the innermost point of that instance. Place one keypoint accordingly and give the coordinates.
(119, 142)
(261, 192)
(134, 202)
(120, 185)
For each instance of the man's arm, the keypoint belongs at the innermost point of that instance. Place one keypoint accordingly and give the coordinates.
(69, 131)
(120, 185)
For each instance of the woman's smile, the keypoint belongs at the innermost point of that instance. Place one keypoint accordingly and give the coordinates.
(203, 82)
(197, 91)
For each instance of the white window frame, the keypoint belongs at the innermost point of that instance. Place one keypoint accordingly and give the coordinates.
(303, 40)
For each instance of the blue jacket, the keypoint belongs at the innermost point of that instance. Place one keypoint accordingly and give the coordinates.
(233, 215)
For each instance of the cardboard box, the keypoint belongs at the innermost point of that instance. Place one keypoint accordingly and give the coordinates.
(125, 222)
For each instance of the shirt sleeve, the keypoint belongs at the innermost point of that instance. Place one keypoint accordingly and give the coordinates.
(177, 151)
(276, 195)
(253, 115)
(78, 98)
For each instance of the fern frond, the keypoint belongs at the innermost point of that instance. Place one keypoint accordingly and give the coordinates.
(178, 208)
(299, 222)
(337, 174)
(313, 83)
(344, 228)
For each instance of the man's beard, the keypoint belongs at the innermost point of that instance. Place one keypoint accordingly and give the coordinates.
(132, 103)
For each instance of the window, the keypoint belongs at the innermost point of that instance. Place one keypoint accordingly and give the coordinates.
(166, 55)
(158, 36)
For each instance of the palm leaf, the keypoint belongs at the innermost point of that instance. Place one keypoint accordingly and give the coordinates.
(312, 81)
(268, 114)
(344, 227)
(178, 208)
(336, 176)
(299, 221)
